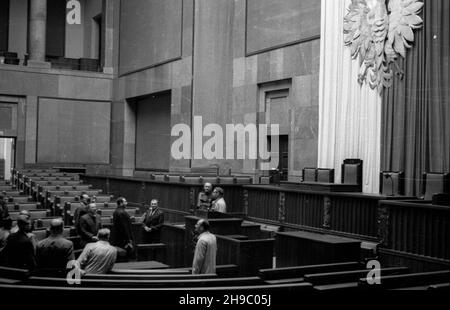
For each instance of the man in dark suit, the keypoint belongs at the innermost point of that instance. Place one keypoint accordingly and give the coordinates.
(89, 225)
(121, 234)
(152, 223)
(80, 211)
(19, 249)
(54, 252)
(4, 212)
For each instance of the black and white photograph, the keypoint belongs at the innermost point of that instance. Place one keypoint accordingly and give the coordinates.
(224, 153)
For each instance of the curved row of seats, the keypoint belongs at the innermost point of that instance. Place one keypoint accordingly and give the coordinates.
(316, 277)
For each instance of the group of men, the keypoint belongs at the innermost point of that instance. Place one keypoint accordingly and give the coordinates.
(211, 199)
(101, 246)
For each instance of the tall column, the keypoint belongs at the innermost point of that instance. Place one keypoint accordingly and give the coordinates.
(37, 33)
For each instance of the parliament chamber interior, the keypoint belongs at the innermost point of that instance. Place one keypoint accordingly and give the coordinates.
(224, 146)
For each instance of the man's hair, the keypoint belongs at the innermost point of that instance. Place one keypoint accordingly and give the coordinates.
(204, 224)
(219, 190)
(7, 223)
(22, 221)
(120, 200)
(56, 226)
(103, 234)
(92, 205)
(154, 201)
(85, 196)
(25, 213)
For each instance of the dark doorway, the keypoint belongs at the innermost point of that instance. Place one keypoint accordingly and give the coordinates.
(153, 132)
(4, 25)
(283, 147)
(56, 28)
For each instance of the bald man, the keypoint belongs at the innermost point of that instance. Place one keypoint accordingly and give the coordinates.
(204, 197)
(19, 249)
(80, 211)
(89, 225)
(205, 250)
(54, 252)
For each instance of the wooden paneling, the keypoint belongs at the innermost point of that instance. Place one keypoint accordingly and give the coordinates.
(353, 215)
(173, 196)
(71, 131)
(263, 204)
(153, 132)
(249, 255)
(150, 33)
(304, 209)
(303, 248)
(173, 237)
(272, 24)
(418, 228)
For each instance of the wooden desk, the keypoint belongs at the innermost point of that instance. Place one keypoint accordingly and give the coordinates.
(306, 248)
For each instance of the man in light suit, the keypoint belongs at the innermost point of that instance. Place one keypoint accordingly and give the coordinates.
(205, 250)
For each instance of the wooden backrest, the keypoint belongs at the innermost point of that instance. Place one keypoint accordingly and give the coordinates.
(435, 183)
(392, 183)
(120, 277)
(349, 276)
(408, 280)
(309, 175)
(352, 172)
(325, 175)
(149, 283)
(300, 271)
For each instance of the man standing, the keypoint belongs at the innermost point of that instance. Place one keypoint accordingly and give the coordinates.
(4, 212)
(205, 251)
(80, 211)
(122, 236)
(54, 252)
(152, 223)
(19, 249)
(98, 257)
(218, 204)
(204, 197)
(89, 225)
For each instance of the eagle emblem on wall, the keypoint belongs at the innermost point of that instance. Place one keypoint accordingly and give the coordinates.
(378, 33)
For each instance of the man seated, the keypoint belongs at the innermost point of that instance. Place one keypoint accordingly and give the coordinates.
(218, 203)
(204, 197)
(19, 249)
(152, 223)
(54, 252)
(122, 235)
(29, 230)
(98, 257)
(89, 225)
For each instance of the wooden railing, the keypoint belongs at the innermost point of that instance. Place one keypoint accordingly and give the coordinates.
(414, 229)
(171, 195)
(352, 214)
(417, 228)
